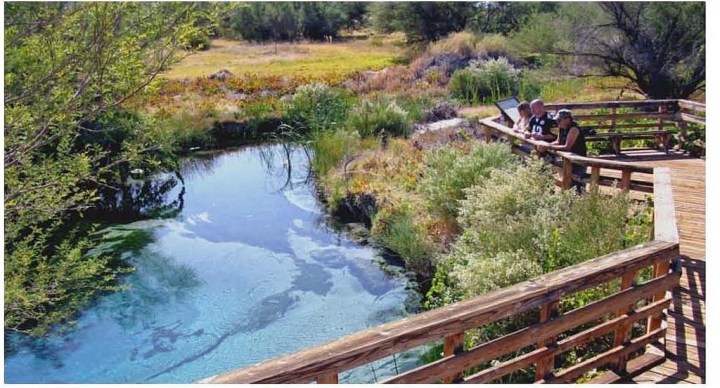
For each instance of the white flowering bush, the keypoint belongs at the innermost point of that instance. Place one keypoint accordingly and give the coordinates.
(517, 225)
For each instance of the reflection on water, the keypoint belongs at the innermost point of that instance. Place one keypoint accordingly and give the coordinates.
(244, 270)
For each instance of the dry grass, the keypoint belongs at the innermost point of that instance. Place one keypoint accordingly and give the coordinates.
(286, 59)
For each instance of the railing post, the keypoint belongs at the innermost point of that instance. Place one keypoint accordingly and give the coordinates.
(625, 182)
(659, 269)
(544, 366)
(488, 133)
(566, 173)
(661, 121)
(616, 145)
(453, 345)
(623, 333)
(594, 177)
(683, 132)
(328, 379)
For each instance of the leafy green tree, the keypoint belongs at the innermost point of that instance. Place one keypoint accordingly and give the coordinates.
(422, 21)
(264, 21)
(69, 70)
(506, 17)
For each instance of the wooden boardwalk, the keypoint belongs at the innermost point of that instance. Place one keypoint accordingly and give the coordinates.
(685, 341)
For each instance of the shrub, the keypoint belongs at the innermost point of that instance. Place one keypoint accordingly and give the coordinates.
(517, 225)
(396, 229)
(317, 107)
(416, 105)
(485, 81)
(46, 285)
(376, 41)
(194, 38)
(495, 46)
(460, 43)
(330, 148)
(540, 36)
(448, 172)
(440, 111)
(380, 118)
(184, 128)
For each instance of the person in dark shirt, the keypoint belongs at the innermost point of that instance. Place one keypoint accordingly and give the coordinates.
(571, 139)
(540, 123)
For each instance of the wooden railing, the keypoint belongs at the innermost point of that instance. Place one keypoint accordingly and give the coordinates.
(632, 303)
(555, 332)
(645, 115)
(662, 112)
(494, 129)
(323, 363)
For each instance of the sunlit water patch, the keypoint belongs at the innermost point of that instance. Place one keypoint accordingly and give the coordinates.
(247, 270)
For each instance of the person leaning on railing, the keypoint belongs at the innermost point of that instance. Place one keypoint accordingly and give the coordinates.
(523, 123)
(570, 139)
(540, 123)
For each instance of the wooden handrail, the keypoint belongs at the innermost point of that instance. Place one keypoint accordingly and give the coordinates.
(624, 116)
(664, 221)
(602, 163)
(691, 105)
(612, 104)
(394, 337)
(687, 117)
(568, 158)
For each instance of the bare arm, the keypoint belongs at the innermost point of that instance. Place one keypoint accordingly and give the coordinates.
(540, 136)
(569, 143)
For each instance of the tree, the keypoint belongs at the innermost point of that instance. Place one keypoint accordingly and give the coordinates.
(504, 17)
(293, 20)
(422, 21)
(69, 70)
(659, 46)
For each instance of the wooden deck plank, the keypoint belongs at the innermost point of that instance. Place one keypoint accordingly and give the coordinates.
(685, 342)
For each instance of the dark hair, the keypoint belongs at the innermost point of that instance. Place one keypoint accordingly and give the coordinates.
(524, 106)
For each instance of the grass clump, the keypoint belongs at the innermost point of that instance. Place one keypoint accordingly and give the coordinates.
(460, 43)
(495, 46)
(382, 117)
(449, 171)
(317, 107)
(185, 128)
(330, 148)
(485, 81)
(398, 229)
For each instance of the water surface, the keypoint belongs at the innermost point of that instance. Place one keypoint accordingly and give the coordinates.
(246, 270)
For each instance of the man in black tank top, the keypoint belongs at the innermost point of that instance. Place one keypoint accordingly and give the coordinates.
(571, 139)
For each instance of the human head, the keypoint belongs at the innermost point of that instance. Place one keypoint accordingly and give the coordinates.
(524, 109)
(537, 107)
(563, 118)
